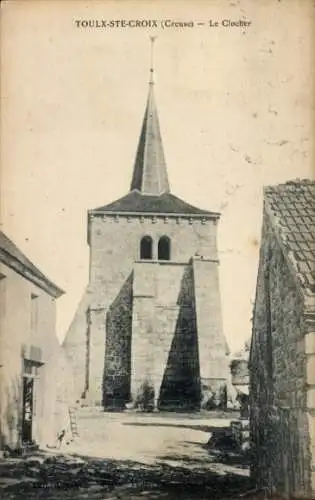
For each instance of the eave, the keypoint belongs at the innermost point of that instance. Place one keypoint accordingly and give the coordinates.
(210, 216)
(27, 273)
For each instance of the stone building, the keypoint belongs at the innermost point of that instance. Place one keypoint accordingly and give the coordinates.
(239, 368)
(282, 357)
(240, 379)
(149, 324)
(27, 344)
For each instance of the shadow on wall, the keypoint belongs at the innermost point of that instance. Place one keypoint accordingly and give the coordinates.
(117, 362)
(180, 388)
(181, 384)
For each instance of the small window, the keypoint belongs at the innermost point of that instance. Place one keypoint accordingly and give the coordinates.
(164, 248)
(34, 312)
(146, 248)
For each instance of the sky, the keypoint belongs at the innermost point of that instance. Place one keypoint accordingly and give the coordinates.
(235, 108)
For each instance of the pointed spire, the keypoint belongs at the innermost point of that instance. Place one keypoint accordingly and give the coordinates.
(149, 173)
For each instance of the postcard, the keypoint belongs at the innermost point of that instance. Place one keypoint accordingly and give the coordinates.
(157, 249)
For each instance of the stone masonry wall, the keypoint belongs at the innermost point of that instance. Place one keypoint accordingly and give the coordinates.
(214, 367)
(180, 387)
(117, 364)
(95, 353)
(75, 345)
(115, 244)
(115, 247)
(146, 347)
(114, 252)
(279, 420)
(163, 351)
(309, 330)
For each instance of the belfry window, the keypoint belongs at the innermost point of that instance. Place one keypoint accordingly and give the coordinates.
(146, 248)
(164, 248)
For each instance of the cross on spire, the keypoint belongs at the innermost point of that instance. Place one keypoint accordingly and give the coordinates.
(152, 38)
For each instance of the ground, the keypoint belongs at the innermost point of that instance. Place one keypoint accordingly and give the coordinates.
(132, 456)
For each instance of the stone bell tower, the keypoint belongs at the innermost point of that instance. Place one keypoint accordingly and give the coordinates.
(149, 325)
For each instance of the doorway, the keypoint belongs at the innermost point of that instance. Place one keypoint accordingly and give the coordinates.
(30, 384)
(27, 415)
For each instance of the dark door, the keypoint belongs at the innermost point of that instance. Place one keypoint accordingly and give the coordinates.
(27, 418)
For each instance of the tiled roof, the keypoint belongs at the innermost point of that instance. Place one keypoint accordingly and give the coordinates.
(166, 203)
(10, 254)
(293, 212)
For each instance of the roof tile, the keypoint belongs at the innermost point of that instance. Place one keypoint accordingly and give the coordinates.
(293, 210)
(167, 203)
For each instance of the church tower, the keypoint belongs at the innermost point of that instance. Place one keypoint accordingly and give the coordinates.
(148, 330)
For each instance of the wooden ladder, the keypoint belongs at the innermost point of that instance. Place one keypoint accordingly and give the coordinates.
(73, 421)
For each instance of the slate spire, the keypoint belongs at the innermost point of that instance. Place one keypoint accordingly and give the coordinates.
(149, 172)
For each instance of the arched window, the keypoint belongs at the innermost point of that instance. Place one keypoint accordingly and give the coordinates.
(146, 248)
(164, 248)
